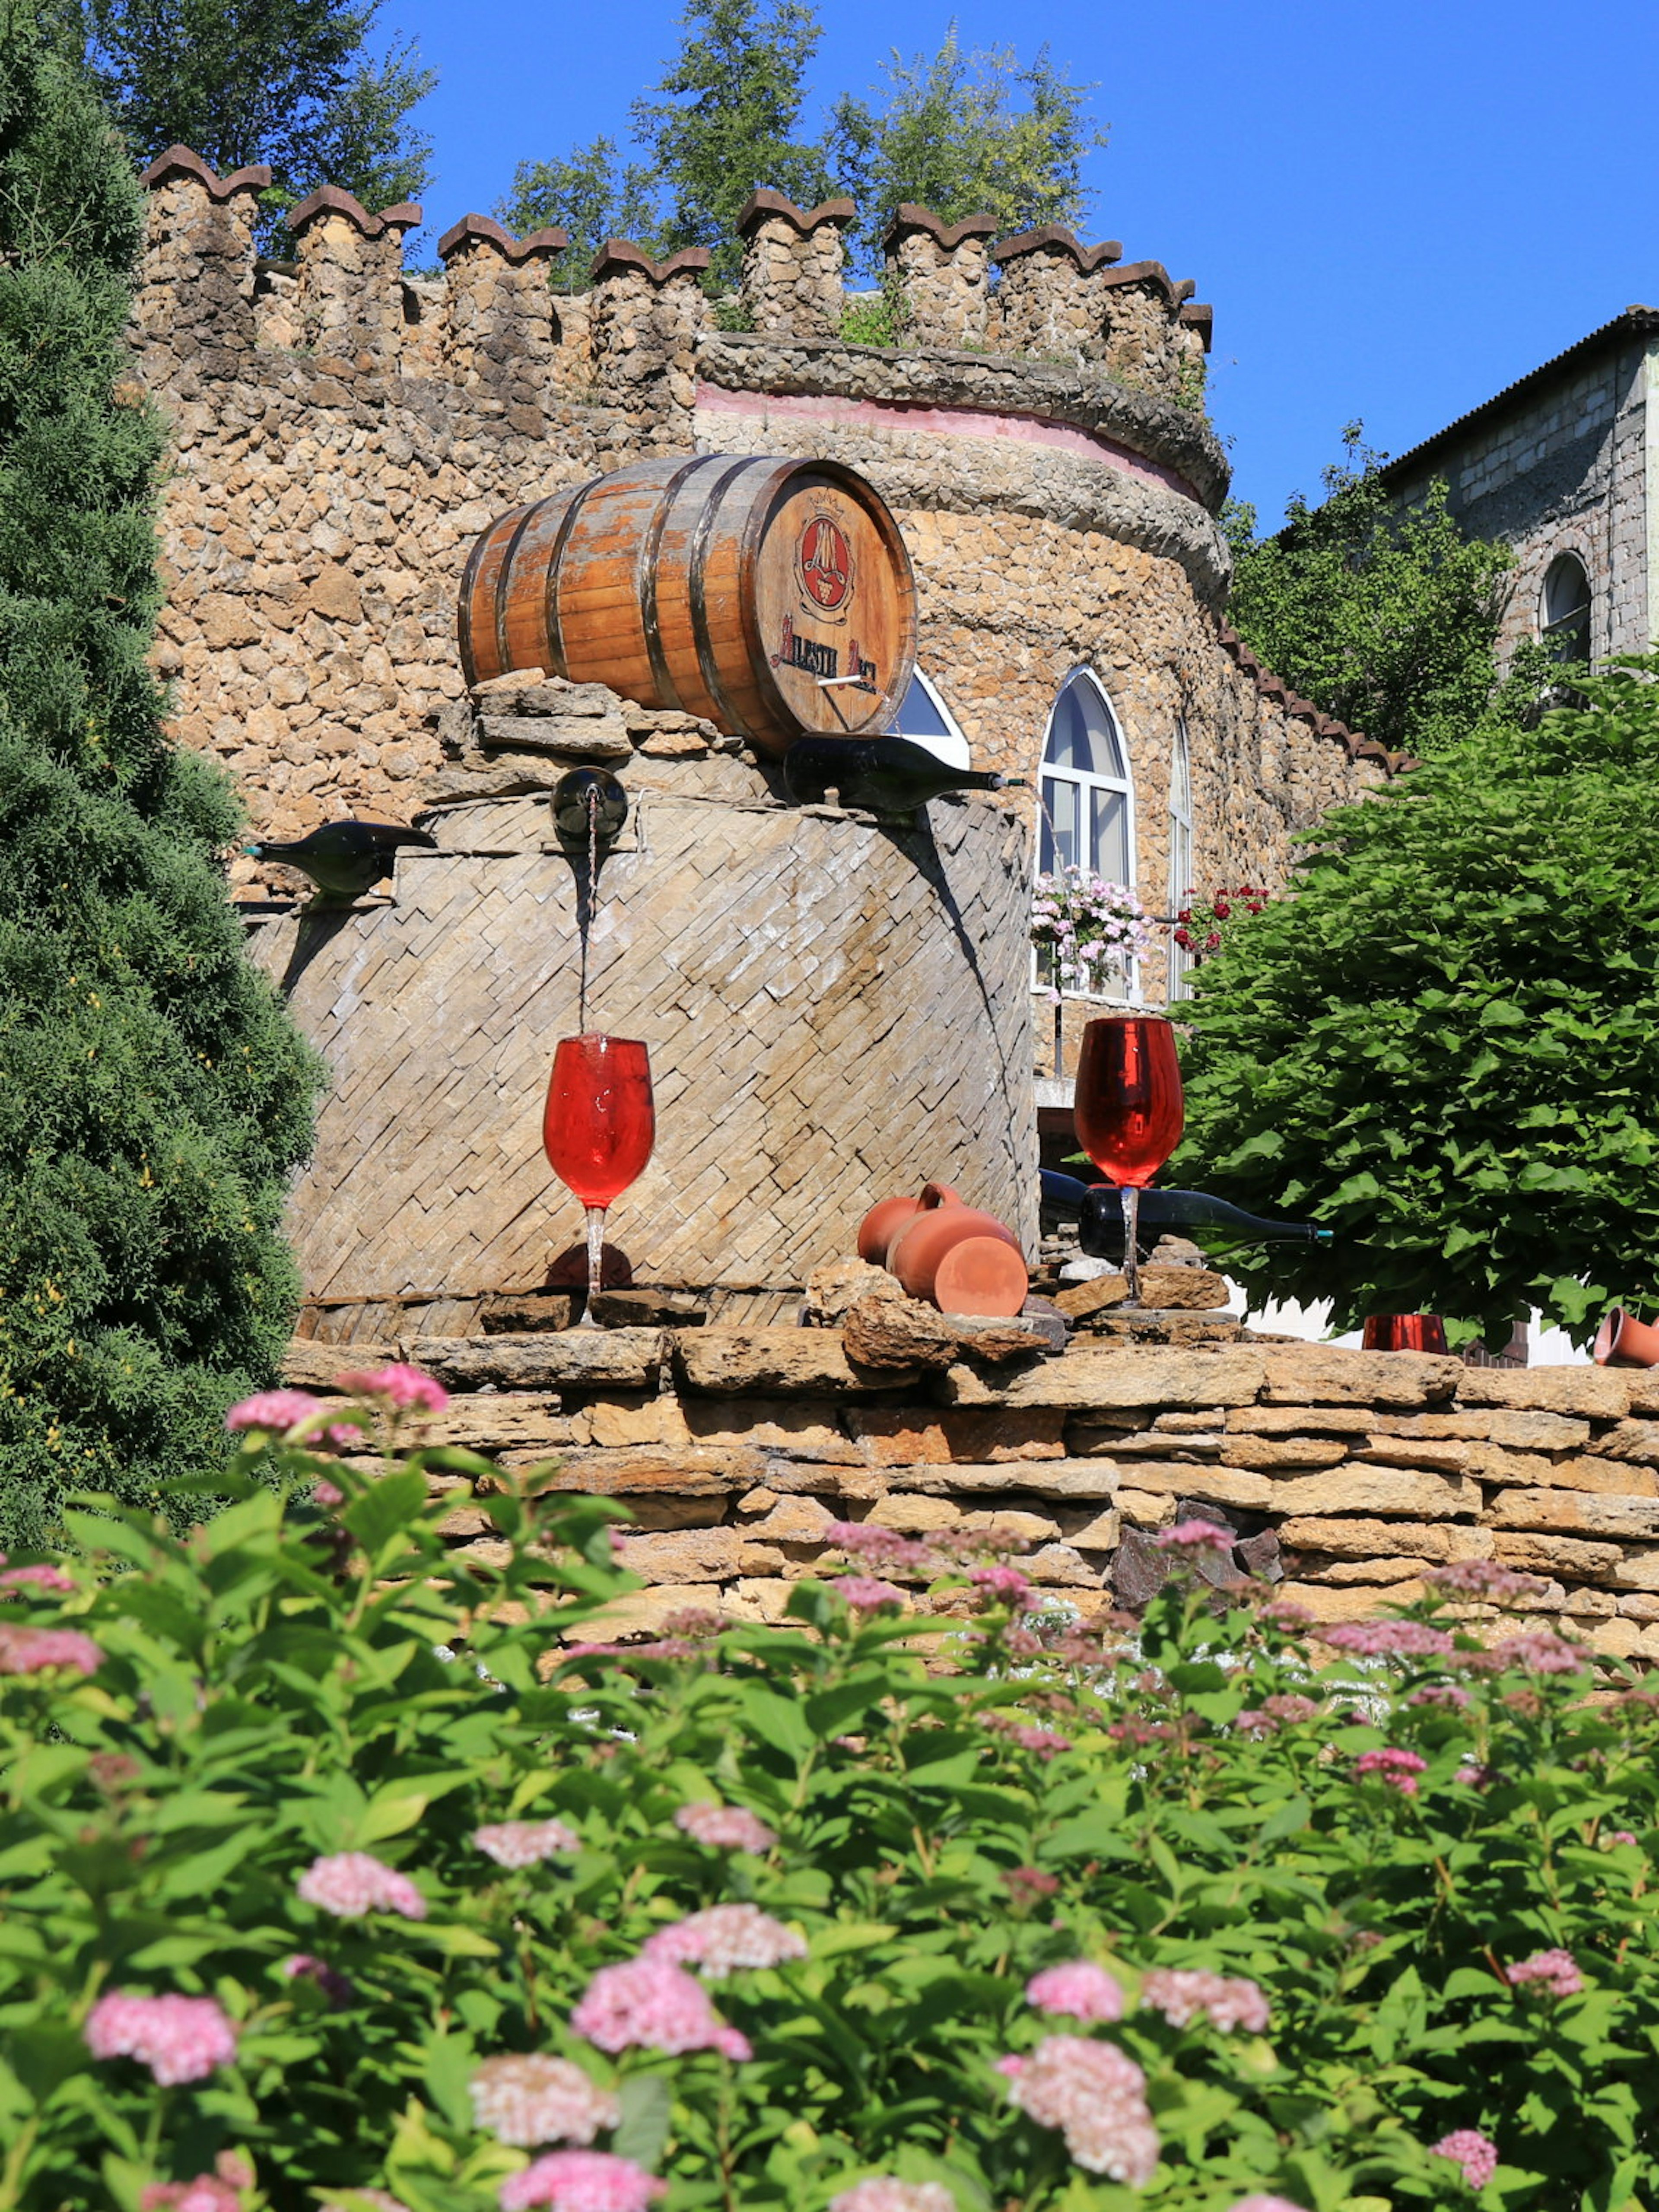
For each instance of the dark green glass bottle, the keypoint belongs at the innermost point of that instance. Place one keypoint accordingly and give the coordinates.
(883, 775)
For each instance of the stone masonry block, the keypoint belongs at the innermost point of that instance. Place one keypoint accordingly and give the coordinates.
(1379, 1490)
(1087, 1379)
(1315, 1375)
(735, 1362)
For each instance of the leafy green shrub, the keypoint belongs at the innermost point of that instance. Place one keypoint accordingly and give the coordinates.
(1445, 1047)
(330, 1877)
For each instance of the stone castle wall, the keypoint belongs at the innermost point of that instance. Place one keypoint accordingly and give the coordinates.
(343, 431)
(1345, 1476)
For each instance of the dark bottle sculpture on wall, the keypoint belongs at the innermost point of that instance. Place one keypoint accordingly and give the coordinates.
(883, 775)
(1100, 1220)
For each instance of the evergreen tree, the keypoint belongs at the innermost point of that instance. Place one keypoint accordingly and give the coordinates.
(153, 1093)
(292, 83)
(1386, 620)
(724, 119)
(967, 134)
(594, 195)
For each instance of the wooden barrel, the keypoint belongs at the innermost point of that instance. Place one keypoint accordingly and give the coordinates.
(773, 598)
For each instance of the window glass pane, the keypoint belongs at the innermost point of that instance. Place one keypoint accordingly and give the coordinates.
(1105, 749)
(918, 717)
(1110, 857)
(1181, 776)
(1059, 828)
(1068, 735)
(1181, 863)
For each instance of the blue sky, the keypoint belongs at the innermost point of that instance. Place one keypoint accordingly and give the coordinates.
(1393, 211)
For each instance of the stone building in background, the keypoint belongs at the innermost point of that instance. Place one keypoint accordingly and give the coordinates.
(1564, 465)
(344, 428)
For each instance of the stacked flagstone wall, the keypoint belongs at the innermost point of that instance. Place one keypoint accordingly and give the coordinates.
(1346, 1476)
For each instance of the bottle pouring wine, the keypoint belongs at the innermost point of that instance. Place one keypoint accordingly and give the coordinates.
(1100, 1220)
(883, 775)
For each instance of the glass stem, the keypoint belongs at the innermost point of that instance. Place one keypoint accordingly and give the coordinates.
(595, 1260)
(1131, 1255)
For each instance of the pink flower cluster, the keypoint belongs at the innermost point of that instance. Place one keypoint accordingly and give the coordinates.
(527, 2100)
(886, 2194)
(1265, 2204)
(1194, 1536)
(1227, 2002)
(1556, 1971)
(1286, 1710)
(207, 2193)
(724, 1939)
(1398, 1769)
(1079, 1988)
(525, 1843)
(1004, 1583)
(1450, 1694)
(1472, 2152)
(274, 1411)
(652, 2005)
(41, 1576)
(1096, 2095)
(866, 1594)
(1542, 1652)
(878, 1546)
(31, 1650)
(405, 1388)
(581, 2181)
(1042, 1741)
(1484, 1578)
(1388, 1639)
(351, 1883)
(179, 2038)
(724, 1827)
(339, 1989)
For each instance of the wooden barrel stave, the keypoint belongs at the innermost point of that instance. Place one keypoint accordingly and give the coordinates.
(728, 586)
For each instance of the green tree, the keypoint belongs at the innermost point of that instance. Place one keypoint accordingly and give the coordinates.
(292, 83)
(594, 195)
(1445, 1047)
(967, 133)
(724, 121)
(1386, 620)
(153, 1093)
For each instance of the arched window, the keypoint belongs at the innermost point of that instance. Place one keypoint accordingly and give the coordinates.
(1180, 884)
(1088, 793)
(1564, 608)
(925, 719)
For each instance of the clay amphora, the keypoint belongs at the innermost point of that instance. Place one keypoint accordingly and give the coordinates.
(1624, 1341)
(940, 1225)
(883, 1222)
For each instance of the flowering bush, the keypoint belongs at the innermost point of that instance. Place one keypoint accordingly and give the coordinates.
(1082, 925)
(1200, 924)
(338, 1872)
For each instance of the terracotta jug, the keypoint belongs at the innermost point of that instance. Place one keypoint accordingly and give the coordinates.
(1624, 1341)
(883, 1222)
(992, 1276)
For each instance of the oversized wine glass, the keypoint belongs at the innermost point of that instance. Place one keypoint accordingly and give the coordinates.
(598, 1130)
(1404, 1333)
(1129, 1112)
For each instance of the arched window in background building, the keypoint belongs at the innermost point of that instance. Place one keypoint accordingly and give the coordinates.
(925, 719)
(1564, 608)
(1088, 792)
(1180, 884)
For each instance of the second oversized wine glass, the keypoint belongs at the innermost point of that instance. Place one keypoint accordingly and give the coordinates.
(1129, 1112)
(598, 1130)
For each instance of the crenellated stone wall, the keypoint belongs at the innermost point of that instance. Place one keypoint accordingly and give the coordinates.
(343, 431)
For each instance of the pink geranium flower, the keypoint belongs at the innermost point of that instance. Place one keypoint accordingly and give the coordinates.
(1227, 2002)
(39, 1577)
(352, 1883)
(179, 2038)
(1095, 2096)
(1398, 1768)
(724, 1827)
(1556, 1973)
(275, 1412)
(724, 1939)
(525, 1843)
(33, 1650)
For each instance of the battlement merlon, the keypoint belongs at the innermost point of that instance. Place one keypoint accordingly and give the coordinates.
(644, 321)
(492, 319)
(792, 263)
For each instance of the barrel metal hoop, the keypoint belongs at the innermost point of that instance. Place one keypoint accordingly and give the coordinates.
(645, 584)
(550, 623)
(713, 683)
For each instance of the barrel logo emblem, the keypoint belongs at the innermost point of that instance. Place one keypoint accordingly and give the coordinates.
(823, 563)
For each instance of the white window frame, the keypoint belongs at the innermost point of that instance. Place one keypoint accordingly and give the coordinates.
(1085, 782)
(1577, 619)
(1181, 878)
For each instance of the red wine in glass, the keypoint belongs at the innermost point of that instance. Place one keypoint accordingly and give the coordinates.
(597, 1129)
(1404, 1333)
(1129, 1111)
